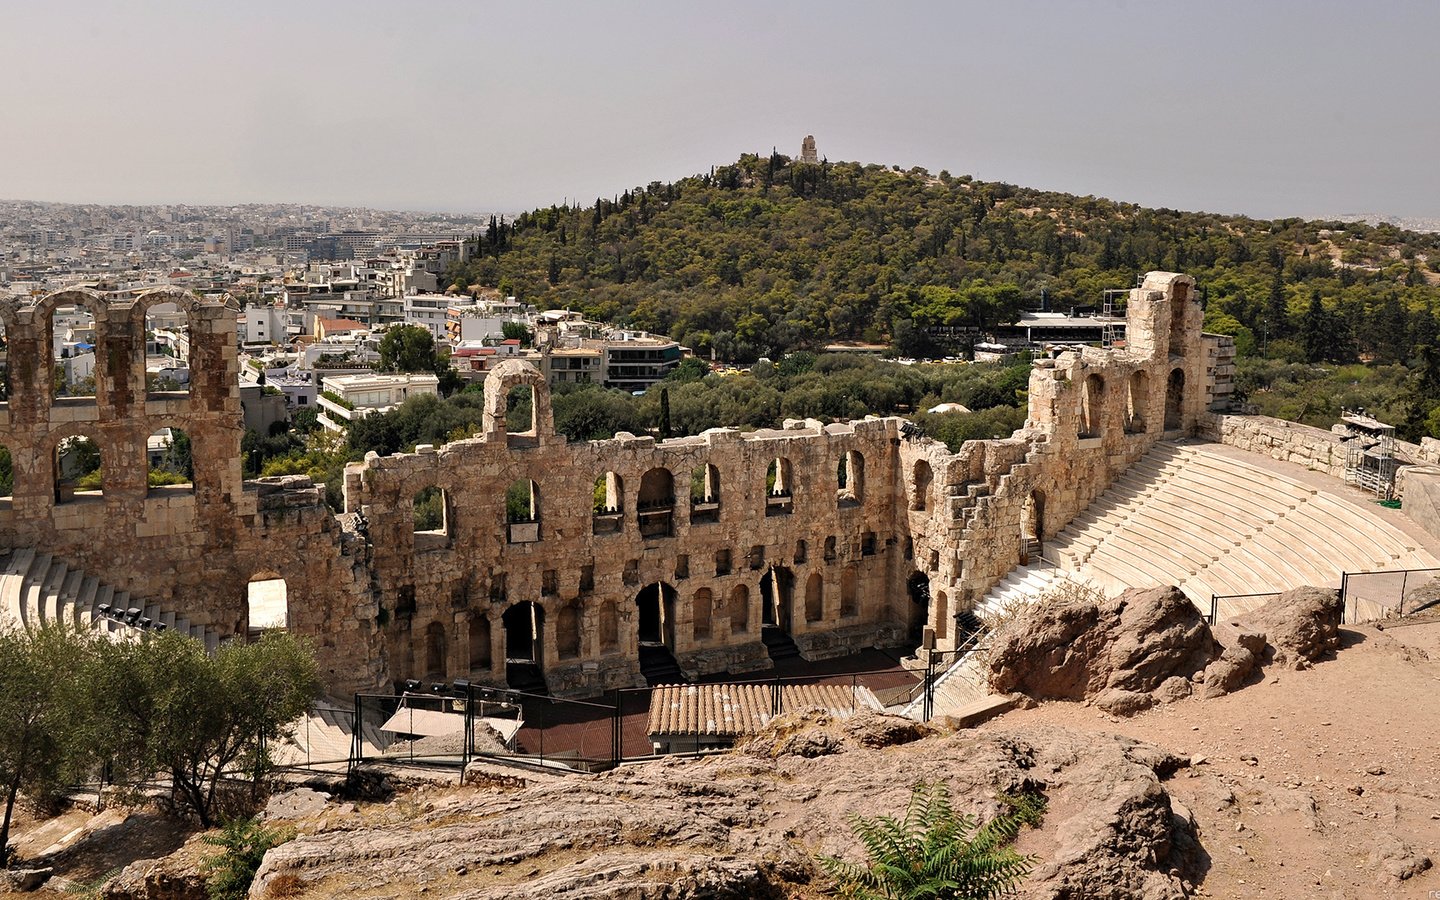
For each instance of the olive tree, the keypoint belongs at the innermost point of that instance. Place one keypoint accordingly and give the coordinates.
(202, 720)
(46, 731)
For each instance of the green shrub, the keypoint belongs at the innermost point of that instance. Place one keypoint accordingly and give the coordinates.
(936, 854)
(242, 843)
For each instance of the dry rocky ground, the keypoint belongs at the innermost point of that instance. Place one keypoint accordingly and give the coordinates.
(1316, 781)
(1309, 783)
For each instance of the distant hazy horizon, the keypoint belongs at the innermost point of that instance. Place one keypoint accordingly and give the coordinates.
(1284, 108)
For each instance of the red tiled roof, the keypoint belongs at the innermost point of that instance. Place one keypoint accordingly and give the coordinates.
(736, 709)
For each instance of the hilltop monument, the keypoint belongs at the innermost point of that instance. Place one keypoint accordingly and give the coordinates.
(807, 150)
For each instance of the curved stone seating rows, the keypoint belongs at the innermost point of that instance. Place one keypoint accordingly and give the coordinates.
(1213, 524)
(37, 589)
(322, 739)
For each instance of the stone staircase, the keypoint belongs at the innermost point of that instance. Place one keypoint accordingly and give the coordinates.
(1214, 524)
(323, 739)
(39, 589)
(659, 665)
(1022, 586)
(778, 643)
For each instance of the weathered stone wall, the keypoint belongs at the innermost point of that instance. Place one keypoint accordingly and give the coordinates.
(914, 536)
(191, 549)
(586, 571)
(1304, 445)
(1091, 414)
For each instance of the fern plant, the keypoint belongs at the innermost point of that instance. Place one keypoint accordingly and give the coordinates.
(933, 853)
(243, 844)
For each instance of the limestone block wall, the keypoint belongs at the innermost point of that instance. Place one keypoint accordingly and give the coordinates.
(839, 564)
(1420, 486)
(1304, 445)
(1091, 414)
(193, 550)
(698, 540)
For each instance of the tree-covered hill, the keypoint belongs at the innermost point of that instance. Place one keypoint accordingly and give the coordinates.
(769, 255)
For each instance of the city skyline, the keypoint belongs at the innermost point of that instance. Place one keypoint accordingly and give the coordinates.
(1285, 109)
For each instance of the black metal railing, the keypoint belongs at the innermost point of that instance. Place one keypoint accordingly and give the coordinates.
(1388, 593)
(1237, 604)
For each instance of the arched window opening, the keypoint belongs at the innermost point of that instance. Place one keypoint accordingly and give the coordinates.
(917, 586)
(777, 588)
(705, 495)
(435, 647)
(73, 340)
(700, 613)
(814, 598)
(849, 592)
(655, 618)
(522, 511)
(779, 497)
(79, 470)
(431, 518)
(609, 509)
(171, 464)
(7, 474)
(802, 552)
(1136, 401)
(167, 350)
(520, 411)
(1180, 300)
(830, 553)
(1092, 407)
(850, 479)
(479, 643)
(1175, 400)
(740, 609)
(267, 605)
(567, 631)
(524, 628)
(655, 507)
(1032, 526)
(524, 625)
(608, 627)
(921, 480)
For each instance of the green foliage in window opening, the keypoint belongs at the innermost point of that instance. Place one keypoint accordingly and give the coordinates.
(430, 509)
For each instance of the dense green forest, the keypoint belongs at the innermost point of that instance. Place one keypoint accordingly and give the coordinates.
(770, 255)
(769, 258)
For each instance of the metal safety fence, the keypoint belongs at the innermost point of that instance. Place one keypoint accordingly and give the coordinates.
(449, 726)
(1392, 593)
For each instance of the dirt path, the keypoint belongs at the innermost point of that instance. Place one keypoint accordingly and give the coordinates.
(1307, 774)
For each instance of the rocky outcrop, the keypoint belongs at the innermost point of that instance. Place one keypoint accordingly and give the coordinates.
(1394, 861)
(1241, 653)
(1301, 625)
(1117, 651)
(179, 876)
(749, 824)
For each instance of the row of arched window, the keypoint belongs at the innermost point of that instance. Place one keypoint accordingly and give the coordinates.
(75, 348)
(656, 620)
(1137, 398)
(77, 466)
(654, 503)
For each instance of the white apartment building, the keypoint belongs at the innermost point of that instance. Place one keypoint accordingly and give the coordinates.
(345, 398)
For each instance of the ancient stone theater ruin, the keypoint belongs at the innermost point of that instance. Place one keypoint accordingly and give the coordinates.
(581, 562)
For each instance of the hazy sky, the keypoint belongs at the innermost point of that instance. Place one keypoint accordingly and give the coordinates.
(1267, 107)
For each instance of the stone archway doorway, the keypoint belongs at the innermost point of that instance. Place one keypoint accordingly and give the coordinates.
(524, 625)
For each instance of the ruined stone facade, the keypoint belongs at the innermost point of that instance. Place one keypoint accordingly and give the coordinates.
(841, 536)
